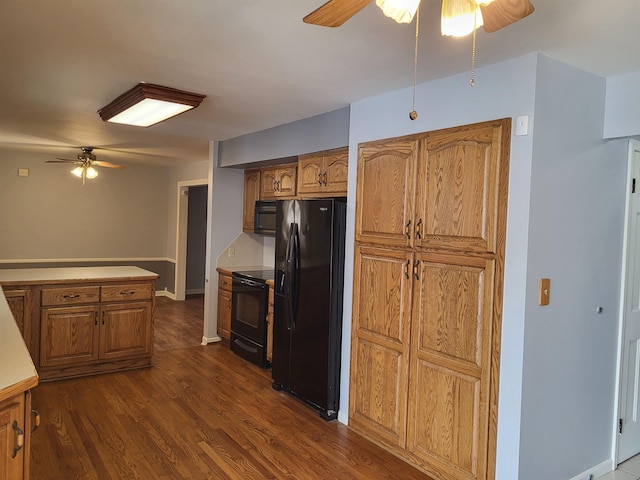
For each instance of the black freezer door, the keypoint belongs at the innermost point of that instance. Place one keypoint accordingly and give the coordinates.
(307, 327)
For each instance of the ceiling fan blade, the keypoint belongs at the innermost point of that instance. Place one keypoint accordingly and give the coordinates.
(62, 160)
(100, 163)
(500, 13)
(335, 12)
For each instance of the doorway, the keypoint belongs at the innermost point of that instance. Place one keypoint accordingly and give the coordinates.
(628, 420)
(194, 225)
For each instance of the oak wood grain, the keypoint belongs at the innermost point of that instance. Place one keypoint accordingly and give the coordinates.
(200, 413)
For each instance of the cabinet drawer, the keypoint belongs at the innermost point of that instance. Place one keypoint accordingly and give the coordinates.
(224, 282)
(118, 293)
(70, 295)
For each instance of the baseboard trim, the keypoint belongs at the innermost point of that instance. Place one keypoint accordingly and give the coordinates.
(166, 293)
(208, 340)
(595, 472)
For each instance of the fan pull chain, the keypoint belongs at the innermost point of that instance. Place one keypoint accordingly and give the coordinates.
(413, 114)
(472, 82)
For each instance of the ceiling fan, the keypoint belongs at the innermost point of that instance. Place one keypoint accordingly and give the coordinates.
(85, 162)
(495, 14)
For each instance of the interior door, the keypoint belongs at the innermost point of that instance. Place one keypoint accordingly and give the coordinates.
(629, 421)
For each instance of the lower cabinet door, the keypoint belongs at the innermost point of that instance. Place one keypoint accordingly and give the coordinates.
(14, 437)
(224, 313)
(125, 330)
(69, 335)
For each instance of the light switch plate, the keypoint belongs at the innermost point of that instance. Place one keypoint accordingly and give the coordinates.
(522, 125)
(23, 172)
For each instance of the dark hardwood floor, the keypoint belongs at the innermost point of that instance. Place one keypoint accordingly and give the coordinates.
(200, 413)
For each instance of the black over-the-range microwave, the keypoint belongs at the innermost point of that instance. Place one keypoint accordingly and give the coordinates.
(264, 218)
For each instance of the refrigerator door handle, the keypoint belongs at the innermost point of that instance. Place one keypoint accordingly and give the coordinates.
(294, 278)
(287, 278)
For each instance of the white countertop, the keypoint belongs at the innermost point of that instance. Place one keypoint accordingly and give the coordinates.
(67, 274)
(17, 372)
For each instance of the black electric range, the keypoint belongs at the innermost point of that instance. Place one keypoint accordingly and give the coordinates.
(249, 307)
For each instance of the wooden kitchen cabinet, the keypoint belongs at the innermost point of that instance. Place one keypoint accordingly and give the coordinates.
(270, 318)
(278, 182)
(83, 325)
(323, 174)
(20, 303)
(251, 194)
(430, 230)
(84, 320)
(15, 433)
(224, 304)
(69, 335)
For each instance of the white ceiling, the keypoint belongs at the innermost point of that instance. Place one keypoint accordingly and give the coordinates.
(257, 62)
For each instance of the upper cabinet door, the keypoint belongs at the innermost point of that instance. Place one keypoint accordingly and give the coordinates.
(336, 172)
(459, 174)
(386, 186)
(323, 174)
(251, 194)
(310, 169)
(286, 178)
(278, 182)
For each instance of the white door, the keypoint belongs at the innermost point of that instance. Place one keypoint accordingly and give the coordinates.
(629, 416)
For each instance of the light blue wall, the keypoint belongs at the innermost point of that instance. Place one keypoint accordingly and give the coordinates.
(575, 239)
(314, 134)
(565, 214)
(503, 90)
(622, 110)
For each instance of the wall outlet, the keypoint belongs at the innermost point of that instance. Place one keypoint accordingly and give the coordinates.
(231, 252)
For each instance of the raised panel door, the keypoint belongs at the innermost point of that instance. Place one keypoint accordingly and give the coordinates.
(19, 301)
(69, 335)
(451, 364)
(224, 313)
(385, 192)
(310, 169)
(125, 330)
(268, 184)
(336, 172)
(459, 176)
(251, 194)
(12, 465)
(380, 344)
(286, 181)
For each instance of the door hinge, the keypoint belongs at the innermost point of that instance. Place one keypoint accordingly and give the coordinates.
(620, 426)
(633, 186)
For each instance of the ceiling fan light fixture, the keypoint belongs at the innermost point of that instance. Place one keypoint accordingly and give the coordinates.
(460, 17)
(78, 171)
(402, 11)
(147, 104)
(91, 172)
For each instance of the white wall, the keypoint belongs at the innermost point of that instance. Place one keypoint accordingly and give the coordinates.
(575, 239)
(503, 90)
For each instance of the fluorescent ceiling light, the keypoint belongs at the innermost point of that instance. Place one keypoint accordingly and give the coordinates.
(147, 104)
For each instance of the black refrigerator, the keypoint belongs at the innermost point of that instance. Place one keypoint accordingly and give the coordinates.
(309, 281)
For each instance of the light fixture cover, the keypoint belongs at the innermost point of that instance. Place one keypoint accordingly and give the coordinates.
(147, 104)
(402, 11)
(461, 17)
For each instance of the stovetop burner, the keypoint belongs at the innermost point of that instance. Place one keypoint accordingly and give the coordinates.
(256, 275)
